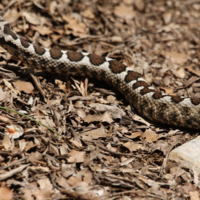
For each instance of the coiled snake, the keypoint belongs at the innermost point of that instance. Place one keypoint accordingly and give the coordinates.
(146, 100)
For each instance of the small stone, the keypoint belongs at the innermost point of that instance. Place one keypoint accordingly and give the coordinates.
(187, 155)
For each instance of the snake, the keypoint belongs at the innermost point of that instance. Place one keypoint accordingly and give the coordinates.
(148, 102)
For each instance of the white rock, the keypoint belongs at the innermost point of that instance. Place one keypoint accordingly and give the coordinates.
(187, 155)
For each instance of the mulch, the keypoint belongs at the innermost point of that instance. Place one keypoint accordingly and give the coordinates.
(104, 150)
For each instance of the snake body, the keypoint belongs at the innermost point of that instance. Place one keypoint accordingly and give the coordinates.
(146, 100)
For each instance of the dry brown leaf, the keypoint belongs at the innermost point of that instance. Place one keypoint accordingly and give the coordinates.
(42, 194)
(27, 194)
(75, 27)
(132, 146)
(4, 119)
(180, 73)
(176, 57)
(11, 15)
(26, 87)
(125, 12)
(169, 91)
(115, 111)
(134, 135)
(6, 142)
(88, 14)
(96, 133)
(76, 156)
(93, 118)
(61, 85)
(30, 145)
(45, 184)
(140, 119)
(22, 145)
(74, 181)
(194, 195)
(81, 113)
(167, 17)
(42, 30)
(2, 95)
(35, 157)
(9, 85)
(111, 99)
(64, 150)
(139, 4)
(32, 18)
(76, 142)
(150, 136)
(63, 182)
(6, 193)
(88, 177)
(67, 170)
(109, 147)
(39, 169)
(189, 68)
(106, 117)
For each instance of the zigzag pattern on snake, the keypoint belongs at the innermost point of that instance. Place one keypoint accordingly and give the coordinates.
(146, 100)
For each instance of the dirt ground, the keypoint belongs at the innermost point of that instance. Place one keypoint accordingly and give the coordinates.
(105, 150)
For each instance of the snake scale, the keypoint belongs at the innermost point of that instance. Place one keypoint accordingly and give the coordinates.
(147, 101)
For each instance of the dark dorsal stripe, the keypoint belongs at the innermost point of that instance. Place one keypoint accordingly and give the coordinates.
(145, 86)
(2, 41)
(117, 67)
(176, 99)
(132, 76)
(24, 43)
(146, 90)
(158, 95)
(8, 31)
(56, 54)
(14, 46)
(195, 101)
(39, 50)
(96, 60)
(75, 56)
(139, 84)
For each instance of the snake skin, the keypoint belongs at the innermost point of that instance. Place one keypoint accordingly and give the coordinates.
(146, 100)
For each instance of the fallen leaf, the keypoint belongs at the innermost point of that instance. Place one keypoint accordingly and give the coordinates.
(11, 15)
(6, 142)
(76, 156)
(32, 18)
(140, 5)
(92, 118)
(96, 133)
(63, 182)
(150, 136)
(106, 117)
(125, 12)
(6, 193)
(132, 146)
(26, 87)
(2, 95)
(45, 184)
(88, 14)
(134, 135)
(175, 57)
(43, 30)
(35, 157)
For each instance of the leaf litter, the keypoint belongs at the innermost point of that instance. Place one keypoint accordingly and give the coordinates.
(109, 152)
